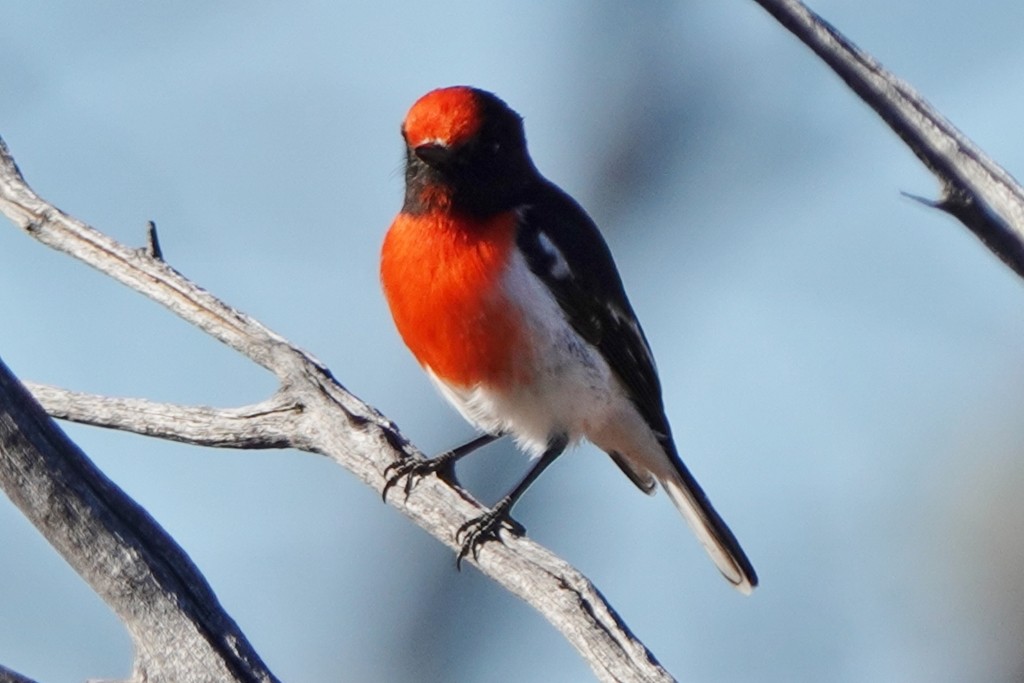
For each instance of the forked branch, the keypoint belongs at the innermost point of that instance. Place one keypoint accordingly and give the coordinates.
(312, 412)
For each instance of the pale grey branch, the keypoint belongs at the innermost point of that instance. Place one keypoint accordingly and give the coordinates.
(315, 413)
(271, 424)
(135, 268)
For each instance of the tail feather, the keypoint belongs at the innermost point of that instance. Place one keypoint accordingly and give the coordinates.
(713, 533)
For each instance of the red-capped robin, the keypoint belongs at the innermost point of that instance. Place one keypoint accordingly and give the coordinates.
(502, 287)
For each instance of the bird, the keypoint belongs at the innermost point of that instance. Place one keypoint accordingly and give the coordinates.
(504, 290)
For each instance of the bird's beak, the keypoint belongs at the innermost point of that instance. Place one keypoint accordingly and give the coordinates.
(431, 153)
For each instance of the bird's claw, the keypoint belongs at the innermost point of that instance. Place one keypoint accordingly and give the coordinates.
(412, 470)
(479, 530)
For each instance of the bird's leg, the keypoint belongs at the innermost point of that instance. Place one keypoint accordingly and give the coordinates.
(479, 530)
(414, 469)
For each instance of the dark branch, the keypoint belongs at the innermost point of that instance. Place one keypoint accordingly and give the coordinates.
(153, 249)
(8, 676)
(975, 189)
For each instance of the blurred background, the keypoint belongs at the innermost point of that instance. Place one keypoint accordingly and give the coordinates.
(843, 367)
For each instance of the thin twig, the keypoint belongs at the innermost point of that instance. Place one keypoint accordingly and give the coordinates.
(153, 249)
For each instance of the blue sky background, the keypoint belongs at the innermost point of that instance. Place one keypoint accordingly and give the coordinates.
(843, 367)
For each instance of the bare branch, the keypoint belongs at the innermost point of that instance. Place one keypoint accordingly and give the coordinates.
(134, 268)
(313, 412)
(975, 189)
(127, 558)
(270, 424)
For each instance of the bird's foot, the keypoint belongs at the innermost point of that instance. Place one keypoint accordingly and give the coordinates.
(414, 469)
(486, 527)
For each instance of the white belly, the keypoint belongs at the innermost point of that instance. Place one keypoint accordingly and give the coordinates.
(572, 389)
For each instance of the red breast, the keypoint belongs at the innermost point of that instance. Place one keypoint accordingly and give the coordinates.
(443, 279)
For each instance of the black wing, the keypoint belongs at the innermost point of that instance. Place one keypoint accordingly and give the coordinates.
(564, 248)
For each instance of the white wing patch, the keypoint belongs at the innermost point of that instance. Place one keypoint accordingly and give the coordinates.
(560, 267)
